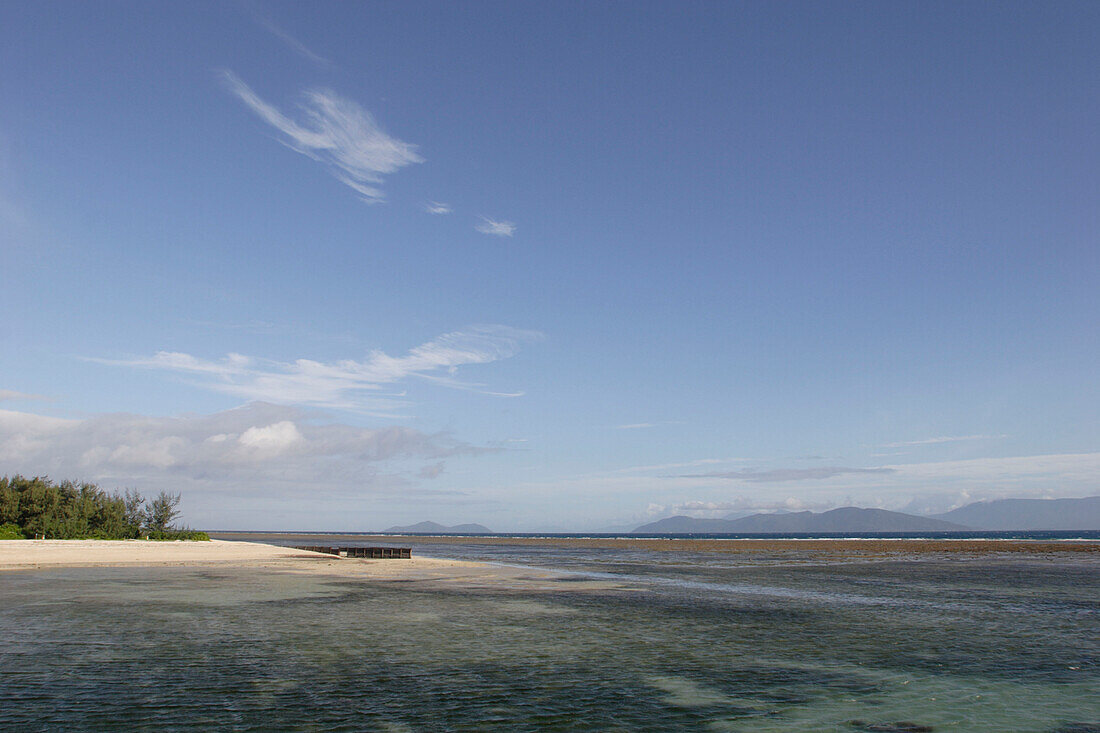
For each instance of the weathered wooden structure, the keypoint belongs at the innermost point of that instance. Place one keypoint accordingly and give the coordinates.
(379, 553)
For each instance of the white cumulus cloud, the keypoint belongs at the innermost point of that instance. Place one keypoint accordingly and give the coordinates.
(272, 438)
(257, 447)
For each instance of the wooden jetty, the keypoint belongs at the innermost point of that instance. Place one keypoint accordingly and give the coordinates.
(378, 553)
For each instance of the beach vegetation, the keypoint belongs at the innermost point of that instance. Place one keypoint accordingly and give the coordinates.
(162, 511)
(10, 531)
(38, 507)
(178, 534)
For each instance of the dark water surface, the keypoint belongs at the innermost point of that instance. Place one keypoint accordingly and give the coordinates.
(697, 642)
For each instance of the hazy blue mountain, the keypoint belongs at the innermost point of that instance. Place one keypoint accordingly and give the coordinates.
(684, 525)
(846, 519)
(1029, 514)
(611, 529)
(434, 528)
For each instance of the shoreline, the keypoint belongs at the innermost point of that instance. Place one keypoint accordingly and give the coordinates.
(225, 553)
(20, 556)
(42, 554)
(853, 547)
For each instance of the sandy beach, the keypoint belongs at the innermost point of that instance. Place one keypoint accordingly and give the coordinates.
(29, 555)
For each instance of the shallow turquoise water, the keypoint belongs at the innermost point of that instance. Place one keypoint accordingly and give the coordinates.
(698, 644)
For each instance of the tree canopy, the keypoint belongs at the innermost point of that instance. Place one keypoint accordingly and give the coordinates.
(38, 507)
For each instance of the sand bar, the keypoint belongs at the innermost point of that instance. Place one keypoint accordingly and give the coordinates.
(30, 555)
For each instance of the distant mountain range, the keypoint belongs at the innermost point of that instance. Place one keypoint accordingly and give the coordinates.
(1028, 514)
(433, 528)
(846, 519)
(1004, 514)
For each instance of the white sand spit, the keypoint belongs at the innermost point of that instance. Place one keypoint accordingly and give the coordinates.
(27, 554)
(31, 555)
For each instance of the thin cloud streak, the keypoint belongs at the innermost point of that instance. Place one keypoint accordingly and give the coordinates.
(11, 395)
(941, 439)
(645, 425)
(336, 132)
(789, 474)
(1054, 467)
(437, 207)
(667, 466)
(496, 228)
(685, 464)
(291, 42)
(346, 384)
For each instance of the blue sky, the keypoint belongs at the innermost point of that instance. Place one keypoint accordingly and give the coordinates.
(550, 265)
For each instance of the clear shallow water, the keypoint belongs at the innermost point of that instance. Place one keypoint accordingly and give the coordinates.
(697, 643)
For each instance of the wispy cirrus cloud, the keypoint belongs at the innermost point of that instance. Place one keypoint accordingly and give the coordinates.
(336, 132)
(941, 439)
(666, 466)
(291, 42)
(789, 474)
(437, 207)
(495, 227)
(11, 394)
(347, 384)
(647, 425)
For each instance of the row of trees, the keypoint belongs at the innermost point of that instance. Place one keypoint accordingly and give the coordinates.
(37, 507)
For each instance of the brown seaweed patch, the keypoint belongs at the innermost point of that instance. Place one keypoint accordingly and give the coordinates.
(900, 726)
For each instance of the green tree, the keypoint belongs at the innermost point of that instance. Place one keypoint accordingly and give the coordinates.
(36, 506)
(162, 512)
(9, 502)
(134, 512)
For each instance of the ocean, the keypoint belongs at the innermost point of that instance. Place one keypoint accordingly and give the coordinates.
(792, 640)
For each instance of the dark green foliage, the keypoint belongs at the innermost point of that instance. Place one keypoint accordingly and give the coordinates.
(132, 507)
(178, 534)
(37, 507)
(10, 531)
(162, 511)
